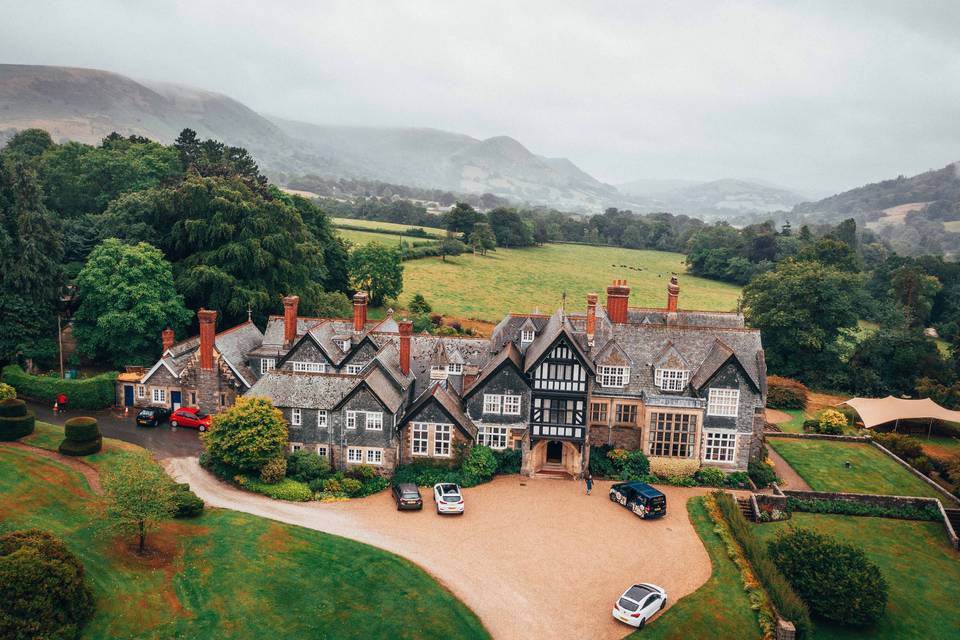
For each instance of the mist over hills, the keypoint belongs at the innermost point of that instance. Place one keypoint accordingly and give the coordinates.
(715, 199)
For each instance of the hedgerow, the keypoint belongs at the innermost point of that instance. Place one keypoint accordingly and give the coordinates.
(848, 508)
(95, 392)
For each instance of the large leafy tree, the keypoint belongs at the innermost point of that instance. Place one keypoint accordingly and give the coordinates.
(461, 219)
(802, 309)
(510, 229)
(916, 291)
(891, 363)
(137, 497)
(127, 299)
(482, 238)
(377, 268)
(247, 436)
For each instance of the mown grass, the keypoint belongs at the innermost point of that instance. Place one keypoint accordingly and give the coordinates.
(227, 574)
(718, 609)
(393, 226)
(921, 569)
(795, 423)
(522, 280)
(822, 464)
(388, 239)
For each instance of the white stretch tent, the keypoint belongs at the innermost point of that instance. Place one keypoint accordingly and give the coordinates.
(874, 411)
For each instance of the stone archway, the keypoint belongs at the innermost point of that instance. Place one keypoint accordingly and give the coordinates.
(542, 458)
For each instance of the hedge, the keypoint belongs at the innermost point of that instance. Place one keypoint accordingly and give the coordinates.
(85, 448)
(785, 599)
(784, 393)
(15, 420)
(97, 392)
(849, 508)
(81, 429)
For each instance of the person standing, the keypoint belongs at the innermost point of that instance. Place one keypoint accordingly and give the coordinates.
(62, 401)
(589, 480)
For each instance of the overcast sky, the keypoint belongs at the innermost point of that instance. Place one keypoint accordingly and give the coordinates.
(815, 96)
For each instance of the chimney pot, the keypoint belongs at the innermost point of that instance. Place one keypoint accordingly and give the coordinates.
(359, 311)
(406, 330)
(208, 335)
(673, 293)
(591, 317)
(618, 298)
(167, 338)
(290, 305)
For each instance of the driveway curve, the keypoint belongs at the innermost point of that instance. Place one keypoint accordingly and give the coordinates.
(532, 558)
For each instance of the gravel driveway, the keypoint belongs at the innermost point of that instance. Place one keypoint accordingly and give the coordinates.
(532, 558)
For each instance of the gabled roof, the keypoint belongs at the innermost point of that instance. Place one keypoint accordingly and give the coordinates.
(508, 329)
(718, 356)
(613, 353)
(448, 400)
(671, 356)
(164, 361)
(508, 356)
(304, 390)
(233, 345)
(556, 327)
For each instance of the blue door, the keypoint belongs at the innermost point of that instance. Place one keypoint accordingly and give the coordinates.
(128, 395)
(175, 399)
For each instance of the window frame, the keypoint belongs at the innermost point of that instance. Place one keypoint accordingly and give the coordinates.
(679, 431)
(720, 400)
(372, 450)
(727, 446)
(350, 419)
(141, 391)
(608, 375)
(671, 379)
(322, 451)
(355, 369)
(322, 419)
(622, 408)
(158, 394)
(366, 420)
(302, 366)
(510, 398)
(420, 435)
(296, 446)
(267, 365)
(446, 443)
(454, 368)
(527, 336)
(492, 436)
(493, 400)
(296, 417)
(358, 451)
(599, 412)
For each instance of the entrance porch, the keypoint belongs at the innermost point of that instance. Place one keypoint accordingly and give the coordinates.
(554, 459)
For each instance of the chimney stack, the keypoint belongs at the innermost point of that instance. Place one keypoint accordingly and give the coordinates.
(618, 297)
(290, 304)
(208, 335)
(673, 293)
(359, 311)
(406, 330)
(591, 317)
(167, 337)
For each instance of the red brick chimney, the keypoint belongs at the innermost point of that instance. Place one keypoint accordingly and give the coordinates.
(591, 316)
(167, 337)
(618, 297)
(208, 335)
(359, 311)
(406, 330)
(290, 304)
(673, 293)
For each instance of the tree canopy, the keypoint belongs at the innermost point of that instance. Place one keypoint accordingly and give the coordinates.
(247, 435)
(377, 268)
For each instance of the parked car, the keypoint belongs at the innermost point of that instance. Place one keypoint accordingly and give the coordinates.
(639, 603)
(641, 498)
(152, 416)
(190, 417)
(407, 496)
(448, 497)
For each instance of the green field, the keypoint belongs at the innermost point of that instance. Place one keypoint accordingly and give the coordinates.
(921, 569)
(227, 574)
(822, 464)
(718, 609)
(392, 226)
(389, 239)
(953, 226)
(522, 280)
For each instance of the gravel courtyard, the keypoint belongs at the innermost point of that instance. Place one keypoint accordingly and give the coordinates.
(533, 558)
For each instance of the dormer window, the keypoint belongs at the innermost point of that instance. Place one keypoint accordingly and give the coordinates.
(613, 376)
(455, 369)
(344, 345)
(527, 336)
(671, 379)
(438, 372)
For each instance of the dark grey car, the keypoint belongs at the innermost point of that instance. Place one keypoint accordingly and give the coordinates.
(407, 496)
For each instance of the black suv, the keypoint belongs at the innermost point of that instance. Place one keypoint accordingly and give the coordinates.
(153, 416)
(407, 496)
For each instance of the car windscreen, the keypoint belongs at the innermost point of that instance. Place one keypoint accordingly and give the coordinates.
(410, 494)
(201, 414)
(147, 413)
(658, 501)
(628, 605)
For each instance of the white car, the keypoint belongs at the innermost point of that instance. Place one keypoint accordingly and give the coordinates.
(448, 497)
(639, 603)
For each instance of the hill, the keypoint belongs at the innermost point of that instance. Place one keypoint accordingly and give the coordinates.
(709, 200)
(88, 104)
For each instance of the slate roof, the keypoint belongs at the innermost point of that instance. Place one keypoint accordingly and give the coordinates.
(474, 351)
(449, 400)
(508, 329)
(555, 326)
(383, 388)
(234, 345)
(305, 390)
(510, 352)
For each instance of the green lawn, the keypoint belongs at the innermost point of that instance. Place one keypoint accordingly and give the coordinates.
(522, 280)
(795, 424)
(821, 464)
(392, 226)
(228, 574)
(718, 609)
(921, 569)
(389, 239)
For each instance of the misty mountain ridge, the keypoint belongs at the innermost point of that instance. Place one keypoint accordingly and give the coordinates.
(715, 199)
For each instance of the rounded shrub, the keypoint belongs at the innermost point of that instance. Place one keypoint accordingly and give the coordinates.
(7, 392)
(81, 429)
(12, 408)
(186, 503)
(16, 421)
(480, 462)
(274, 471)
(836, 580)
(784, 393)
(351, 486)
(361, 472)
(43, 589)
(831, 422)
(85, 448)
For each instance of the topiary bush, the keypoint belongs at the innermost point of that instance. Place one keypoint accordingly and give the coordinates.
(43, 587)
(836, 580)
(673, 467)
(784, 393)
(82, 437)
(186, 502)
(351, 486)
(16, 421)
(81, 429)
(7, 392)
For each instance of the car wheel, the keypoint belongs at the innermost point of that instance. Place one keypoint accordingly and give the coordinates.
(643, 621)
(173, 423)
(612, 497)
(663, 603)
(202, 427)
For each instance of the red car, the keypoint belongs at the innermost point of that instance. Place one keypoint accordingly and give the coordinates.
(190, 417)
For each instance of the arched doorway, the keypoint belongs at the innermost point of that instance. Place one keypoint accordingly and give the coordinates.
(554, 452)
(555, 457)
